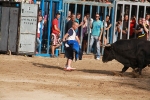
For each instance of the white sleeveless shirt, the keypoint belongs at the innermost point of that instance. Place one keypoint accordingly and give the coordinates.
(72, 35)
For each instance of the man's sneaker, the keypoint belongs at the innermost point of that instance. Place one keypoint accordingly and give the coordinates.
(53, 56)
(97, 58)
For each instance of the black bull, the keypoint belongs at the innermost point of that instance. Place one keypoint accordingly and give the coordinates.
(131, 53)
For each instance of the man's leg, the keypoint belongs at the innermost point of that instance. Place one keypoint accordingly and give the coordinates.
(53, 49)
(69, 55)
(53, 44)
(69, 62)
(38, 43)
(91, 43)
(98, 48)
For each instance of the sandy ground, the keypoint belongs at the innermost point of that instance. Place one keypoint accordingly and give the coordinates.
(38, 78)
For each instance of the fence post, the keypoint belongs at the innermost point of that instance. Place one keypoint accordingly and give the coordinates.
(89, 29)
(49, 26)
(113, 21)
(81, 34)
(75, 9)
(122, 20)
(129, 22)
(41, 29)
(104, 32)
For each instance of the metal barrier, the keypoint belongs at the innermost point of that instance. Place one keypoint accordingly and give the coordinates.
(92, 8)
(130, 8)
(76, 6)
(47, 7)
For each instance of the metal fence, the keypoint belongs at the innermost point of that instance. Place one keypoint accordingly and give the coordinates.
(115, 10)
(137, 9)
(49, 8)
(92, 8)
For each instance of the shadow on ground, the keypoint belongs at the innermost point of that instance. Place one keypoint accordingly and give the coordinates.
(47, 66)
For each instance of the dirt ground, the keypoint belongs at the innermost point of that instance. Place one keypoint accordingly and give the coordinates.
(38, 78)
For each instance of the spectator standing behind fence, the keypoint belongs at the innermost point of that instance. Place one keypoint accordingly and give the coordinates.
(118, 29)
(55, 34)
(69, 16)
(141, 30)
(147, 19)
(107, 27)
(40, 19)
(132, 27)
(70, 22)
(78, 16)
(85, 34)
(97, 30)
(125, 27)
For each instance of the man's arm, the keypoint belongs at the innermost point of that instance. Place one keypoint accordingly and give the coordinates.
(56, 28)
(108, 27)
(123, 31)
(80, 24)
(101, 33)
(145, 29)
(137, 31)
(65, 37)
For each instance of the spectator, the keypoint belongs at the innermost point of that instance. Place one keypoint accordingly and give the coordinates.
(70, 35)
(31, 2)
(141, 30)
(85, 34)
(78, 19)
(107, 1)
(39, 30)
(125, 27)
(55, 34)
(132, 27)
(39, 12)
(118, 30)
(147, 26)
(78, 16)
(97, 29)
(147, 18)
(88, 33)
(89, 21)
(69, 16)
(70, 22)
(107, 25)
(80, 24)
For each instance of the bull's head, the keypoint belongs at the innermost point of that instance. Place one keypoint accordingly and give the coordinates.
(108, 54)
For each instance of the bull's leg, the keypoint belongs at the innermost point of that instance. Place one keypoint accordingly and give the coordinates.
(140, 71)
(124, 69)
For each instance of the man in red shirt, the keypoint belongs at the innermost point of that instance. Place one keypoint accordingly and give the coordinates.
(55, 34)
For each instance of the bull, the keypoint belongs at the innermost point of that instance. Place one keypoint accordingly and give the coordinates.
(132, 53)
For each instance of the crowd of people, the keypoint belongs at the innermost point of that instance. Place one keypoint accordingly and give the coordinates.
(109, 1)
(139, 28)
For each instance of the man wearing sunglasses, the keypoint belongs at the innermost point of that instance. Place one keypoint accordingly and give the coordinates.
(141, 29)
(97, 29)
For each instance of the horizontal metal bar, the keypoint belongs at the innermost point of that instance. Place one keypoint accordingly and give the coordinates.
(133, 3)
(52, 0)
(88, 3)
(43, 55)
